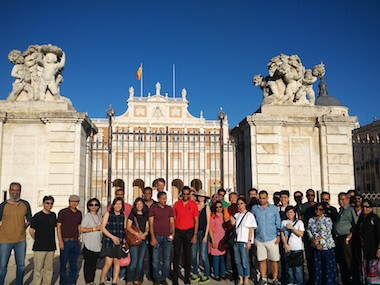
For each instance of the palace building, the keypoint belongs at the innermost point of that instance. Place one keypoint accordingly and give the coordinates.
(158, 137)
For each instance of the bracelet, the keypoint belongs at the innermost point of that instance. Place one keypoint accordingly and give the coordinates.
(93, 229)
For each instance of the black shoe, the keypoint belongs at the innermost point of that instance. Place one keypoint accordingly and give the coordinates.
(164, 282)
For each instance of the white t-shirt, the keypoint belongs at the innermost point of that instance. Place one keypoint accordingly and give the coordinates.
(169, 200)
(242, 231)
(92, 240)
(295, 242)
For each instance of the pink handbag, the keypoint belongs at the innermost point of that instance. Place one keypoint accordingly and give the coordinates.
(125, 261)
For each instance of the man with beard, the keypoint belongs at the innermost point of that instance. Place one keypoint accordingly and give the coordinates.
(330, 211)
(253, 197)
(15, 217)
(298, 196)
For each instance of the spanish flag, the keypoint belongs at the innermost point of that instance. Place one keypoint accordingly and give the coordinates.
(138, 73)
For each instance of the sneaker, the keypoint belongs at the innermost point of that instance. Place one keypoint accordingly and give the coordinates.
(204, 280)
(194, 277)
(262, 282)
(108, 280)
(276, 282)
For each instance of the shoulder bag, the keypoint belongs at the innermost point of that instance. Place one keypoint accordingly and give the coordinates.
(294, 258)
(132, 239)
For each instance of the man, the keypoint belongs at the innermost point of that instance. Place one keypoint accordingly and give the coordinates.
(298, 196)
(267, 236)
(343, 228)
(276, 198)
(15, 217)
(42, 230)
(192, 194)
(330, 211)
(229, 211)
(160, 187)
(254, 265)
(161, 221)
(253, 198)
(307, 213)
(147, 196)
(358, 204)
(221, 194)
(284, 200)
(186, 230)
(68, 223)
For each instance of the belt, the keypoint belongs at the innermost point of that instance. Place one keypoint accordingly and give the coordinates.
(70, 239)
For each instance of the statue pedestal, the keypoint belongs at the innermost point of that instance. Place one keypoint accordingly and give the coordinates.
(296, 148)
(43, 146)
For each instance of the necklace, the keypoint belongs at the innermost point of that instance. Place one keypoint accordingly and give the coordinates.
(92, 217)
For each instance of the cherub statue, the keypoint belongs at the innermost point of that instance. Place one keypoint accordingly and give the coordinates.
(52, 67)
(32, 56)
(22, 75)
(307, 88)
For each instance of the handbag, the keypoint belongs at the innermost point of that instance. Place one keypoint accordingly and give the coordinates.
(130, 238)
(294, 258)
(125, 261)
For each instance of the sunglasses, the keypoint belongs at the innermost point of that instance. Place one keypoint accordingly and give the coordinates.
(94, 205)
(184, 194)
(319, 209)
(325, 200)
(219, 207)
(367, 207)
(49, 203)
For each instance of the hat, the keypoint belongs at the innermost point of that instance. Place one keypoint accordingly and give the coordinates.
(74, 198)
(202, 193)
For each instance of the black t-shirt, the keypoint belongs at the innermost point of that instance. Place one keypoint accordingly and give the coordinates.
(44, 226)
(141, 219)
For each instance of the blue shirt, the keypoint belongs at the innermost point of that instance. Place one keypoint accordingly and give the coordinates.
(268, 222)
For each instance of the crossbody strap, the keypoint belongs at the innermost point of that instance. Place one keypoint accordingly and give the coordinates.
(241, 221)
(291, 231)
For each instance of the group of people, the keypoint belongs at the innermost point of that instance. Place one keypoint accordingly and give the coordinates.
(243, 235)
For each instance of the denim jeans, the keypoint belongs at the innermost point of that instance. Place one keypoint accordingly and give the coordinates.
(219, 265)
(242, 259)
(135, 268)
(70, 253)
(163, 247)
(295, 274)
(202, 248)
(5, 252)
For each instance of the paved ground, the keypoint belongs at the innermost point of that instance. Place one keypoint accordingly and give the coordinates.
(28, 279)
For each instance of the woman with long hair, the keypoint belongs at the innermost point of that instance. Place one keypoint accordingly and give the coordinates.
(91, 229)
(201, 245)
(113, 228)
(138, 218)
(216, 248)
(366, 235)
(322, 242)
(244, 224)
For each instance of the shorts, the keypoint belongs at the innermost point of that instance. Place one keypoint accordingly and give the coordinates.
(267, 250)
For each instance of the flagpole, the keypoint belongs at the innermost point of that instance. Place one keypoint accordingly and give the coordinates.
(173, 80)
(141, 81)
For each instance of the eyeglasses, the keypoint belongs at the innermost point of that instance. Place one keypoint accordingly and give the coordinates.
(219, 207)
(319, 209)
(325, 200)
(49, 203)
(295, 197)
(94, 205)
(366, 206)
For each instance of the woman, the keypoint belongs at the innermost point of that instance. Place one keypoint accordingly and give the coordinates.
(201, 246)
(113, 228)
(91, 229)
(322, 242)
(216, 249)
(366, 235)
(244, 223)
(139, 218)
(292, 231)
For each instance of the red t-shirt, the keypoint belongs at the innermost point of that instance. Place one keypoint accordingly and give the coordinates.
(185, 214)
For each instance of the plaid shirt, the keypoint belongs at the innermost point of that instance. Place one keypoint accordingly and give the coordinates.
(115, 226)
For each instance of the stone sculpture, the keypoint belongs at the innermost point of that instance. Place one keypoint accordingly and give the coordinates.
(288, 81)
(37, 73)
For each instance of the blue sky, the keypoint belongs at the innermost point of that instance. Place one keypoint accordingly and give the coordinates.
(217, 46)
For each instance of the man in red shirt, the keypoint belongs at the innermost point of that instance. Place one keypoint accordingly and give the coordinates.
(186, 230)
